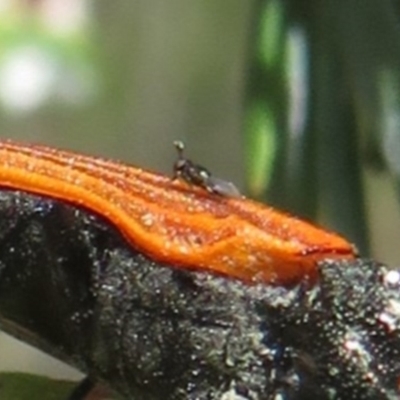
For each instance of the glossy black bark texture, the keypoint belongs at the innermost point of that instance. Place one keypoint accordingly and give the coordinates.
(72, 285)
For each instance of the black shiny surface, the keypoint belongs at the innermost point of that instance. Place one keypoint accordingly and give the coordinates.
(70, 284)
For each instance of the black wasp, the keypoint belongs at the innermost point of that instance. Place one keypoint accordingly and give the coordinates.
(198, 175)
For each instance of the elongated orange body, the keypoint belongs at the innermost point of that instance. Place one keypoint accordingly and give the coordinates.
(173, 222)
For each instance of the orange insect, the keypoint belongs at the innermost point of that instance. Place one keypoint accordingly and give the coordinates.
(174, 222)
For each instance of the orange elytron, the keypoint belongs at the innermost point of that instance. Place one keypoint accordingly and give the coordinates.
(174, 222)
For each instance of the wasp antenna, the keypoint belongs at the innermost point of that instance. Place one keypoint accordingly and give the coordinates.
(180, 146)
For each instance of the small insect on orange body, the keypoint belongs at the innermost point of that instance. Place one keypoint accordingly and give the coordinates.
(195, 174)
(173, 222)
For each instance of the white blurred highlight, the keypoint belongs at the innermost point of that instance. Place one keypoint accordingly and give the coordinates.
(27, 76)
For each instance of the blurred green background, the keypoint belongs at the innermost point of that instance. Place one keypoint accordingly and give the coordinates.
(296, 102)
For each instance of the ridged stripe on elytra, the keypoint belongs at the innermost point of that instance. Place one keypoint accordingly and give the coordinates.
(171, 221)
